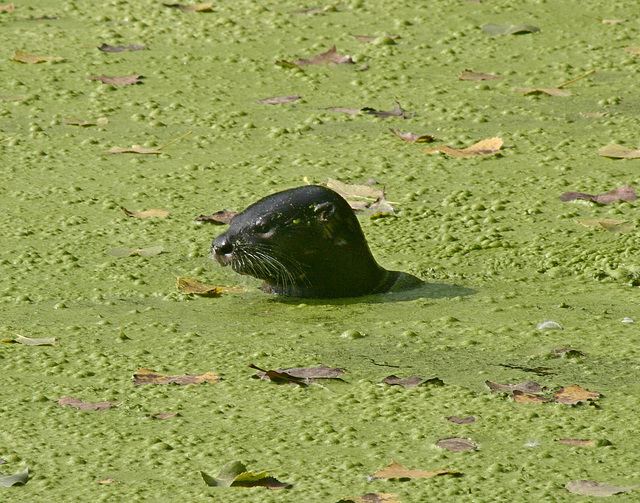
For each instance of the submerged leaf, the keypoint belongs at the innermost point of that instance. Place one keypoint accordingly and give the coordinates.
(147, 376)
(608, 224)
(12, 480)
(552, 91)
(397, 471)
(26, 57)
(235, 474)
(76, 403)
(482, 148)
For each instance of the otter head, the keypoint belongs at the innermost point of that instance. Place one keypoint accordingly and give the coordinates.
(303, 242)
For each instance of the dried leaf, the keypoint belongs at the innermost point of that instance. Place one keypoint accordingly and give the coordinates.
(477, 76)
(618, 152)
(279, 100)
(330, 57)
(506, 29)
(201, 7)
(396, 112)
(146, 376)
(120, 48)
(12, 97)
(219, 217)
(572, 395)
(632, 50)
(118, 81)
(26, 57)
(235, 474)
(192, 286)
(576, 442)
(102, 121)
(456, 444)
(528, 386)
(624, 193)
(279, 376)
(20, 339)
(283, 63)
(134, 149)
(412, 137)
(590, 488)
(80, 405)
(608, 224)
(397, 471)
(372, 498)
(614, 21)
(146, 213)
(408, 382)
(461, 420)
(106, 481)
(381, 207)
(7, 8)
(553, 91)
(350, 111)
(128, 252)
(482, 148)
(348, 190)
(319, 372)
(12, 480)
(524, 397)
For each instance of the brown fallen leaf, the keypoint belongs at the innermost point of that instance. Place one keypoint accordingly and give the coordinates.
(396, 112)
(461, 420)
(608, 224)
(368, 39)
(279, 100)
(412, 137)
(572, 395)
(330, 57)
(527, 386)
(129, 252)
(372, 498)
(146, 376)
(319, 372)
(590, 488)
(477, 76)
(624, 193)
(598, 115)
(106, 481)
(278, 376)
(351, 190)
(26, 57)
(618, 152)
(146, 214)
(7, 8)
(118, 81)
(120, 48)
(397, 471)
(482, 148)
(192, 286)
(551, 91)
(632, 50)
(524, 397)
(201, 7)
(408, 382)
(79, 404)
(456, 444)
(139, 149)
(102, 121)
(576, 442)
(219, 217)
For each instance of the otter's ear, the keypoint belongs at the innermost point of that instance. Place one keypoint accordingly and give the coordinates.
(324, 211)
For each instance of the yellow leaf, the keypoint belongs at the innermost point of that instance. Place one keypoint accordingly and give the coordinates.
(26, 57)
(482, 148)
(618, 152)
(397, 471)
(146, 213)
(147, 376)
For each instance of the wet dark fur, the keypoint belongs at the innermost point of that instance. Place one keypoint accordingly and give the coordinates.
(303, 242)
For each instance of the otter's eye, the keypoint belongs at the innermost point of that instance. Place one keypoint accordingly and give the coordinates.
(262, 228)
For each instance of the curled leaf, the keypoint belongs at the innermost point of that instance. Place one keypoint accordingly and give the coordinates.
(331, 57)
(482, 148)
(552, 91)
(412, 137)
(219, 217)
(624, 193)
(13, 480)
(192, 286)
(235, 474)
(508, 29)
(120, 48)
(201, 7)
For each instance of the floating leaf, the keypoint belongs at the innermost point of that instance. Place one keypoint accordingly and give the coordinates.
(20, 339)
(409, 382)
(508, 29)
(12, 97)
(397, 471)
(350, 111)
(524, 397)
(590, 488)
(7, 8)
(372, 498)
(282, 63)
(553, 91)
(614, 21)
(102, 121)
(632, 50)
(609, 224)
(192, 286)
(146, 376)
(480, 149)
(128, 252)
(26, 57)
(576, 442)
(396, 112)
(528, 386)
(146, 213)
(412, 137)
(319, 372)
(618, 152)
(349, 190)
(201, 7)
(279, 100)
(118, 81)
(330, 57)
(12, 480)
(572, 395)
(120, 48)
(279, 376)
(461, 420)
(477, 76)
(598, 115)
(219, 217)
(235, 474)
(80, 405)
(106, 481)
(456, 444)
(139, 149)
(624, 193)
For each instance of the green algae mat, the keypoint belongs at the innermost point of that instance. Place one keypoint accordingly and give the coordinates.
(516, 366)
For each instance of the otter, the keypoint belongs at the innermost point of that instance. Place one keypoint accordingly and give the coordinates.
(305, 242)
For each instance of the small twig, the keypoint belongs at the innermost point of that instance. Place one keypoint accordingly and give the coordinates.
(6, 139)
(576, 79)
(178, 139)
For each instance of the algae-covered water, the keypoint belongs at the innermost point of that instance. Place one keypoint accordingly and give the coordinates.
(500, 252)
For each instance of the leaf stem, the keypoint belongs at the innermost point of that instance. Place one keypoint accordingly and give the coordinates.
(175, 141)
(576, 79)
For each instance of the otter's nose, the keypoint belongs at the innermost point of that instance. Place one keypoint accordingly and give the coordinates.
(221, 246)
